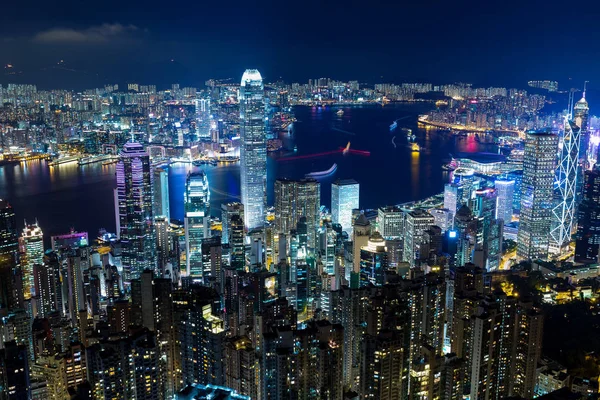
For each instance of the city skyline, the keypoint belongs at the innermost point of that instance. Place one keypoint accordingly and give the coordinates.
(335, 201)
(371, 43)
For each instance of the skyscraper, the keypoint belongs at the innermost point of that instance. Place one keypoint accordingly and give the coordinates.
(197, 220)
(504, 203)
(161, 193)
(253, 151)
(344, 199)
(536, 195)
(567, 175)
(134, 211)
(32, 245)
(588, 225)
(390, 222)
(295, 199)
(581, 112)
(9, 254)
(227, 212)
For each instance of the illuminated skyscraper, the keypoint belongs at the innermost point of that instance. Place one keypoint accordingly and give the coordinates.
(253, 151)
(567, 174)
(344, 199)
(295, 199)
(227, 212)
(161, 193)
(581, 112)
(588, 225)
(197, 220)
(390, 222)
(9, 254)
(32, 247)
(536, 195)
(135, 223)
(504, 203)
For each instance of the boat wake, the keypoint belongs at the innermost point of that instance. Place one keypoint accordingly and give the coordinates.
(393, 142)
(323, 174)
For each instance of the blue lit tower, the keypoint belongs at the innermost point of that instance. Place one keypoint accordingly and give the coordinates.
(344, 199)
(536, 195)
(197, 213)
(567, 174)
(253, 151)
(134, 211)
(504, 206)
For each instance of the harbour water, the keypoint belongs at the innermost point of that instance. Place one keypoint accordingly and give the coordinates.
(381, 160)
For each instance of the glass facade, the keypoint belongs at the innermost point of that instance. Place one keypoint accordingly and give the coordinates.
(196, 223)
(253, 151)
(536, 195)
(135, 223)
(344, 199)
(567, 175)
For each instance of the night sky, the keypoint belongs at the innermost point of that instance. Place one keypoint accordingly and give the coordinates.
(161, 42)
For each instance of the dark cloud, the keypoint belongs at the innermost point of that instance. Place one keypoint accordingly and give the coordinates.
(104, 33)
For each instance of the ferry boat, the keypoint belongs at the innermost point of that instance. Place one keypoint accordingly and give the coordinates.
(415, 148)
(340, 112)
(95, 159)
(63, 160)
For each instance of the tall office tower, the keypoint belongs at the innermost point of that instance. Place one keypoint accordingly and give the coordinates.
(135, 219)
(32, 249)
(295, 199)
(504, 206)
(360, 238)
(489, 231)
(9, 257)
(567, 175)
(163, 243)
(373, 261)
(443, 218)
(46, 277)
(211, 260)
(242, 366)
(581, 112)
(253, 151)
(197, 221)
(161, 193)
(416, 223)
(14, 372)
(228, 210)
(536, 195)
(390, 222)
(588, 224)
(237, 252)
(453, 194)
(344, 199)
(466, 227)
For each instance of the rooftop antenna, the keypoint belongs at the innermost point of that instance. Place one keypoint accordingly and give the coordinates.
(584, 88)
(570, 105)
